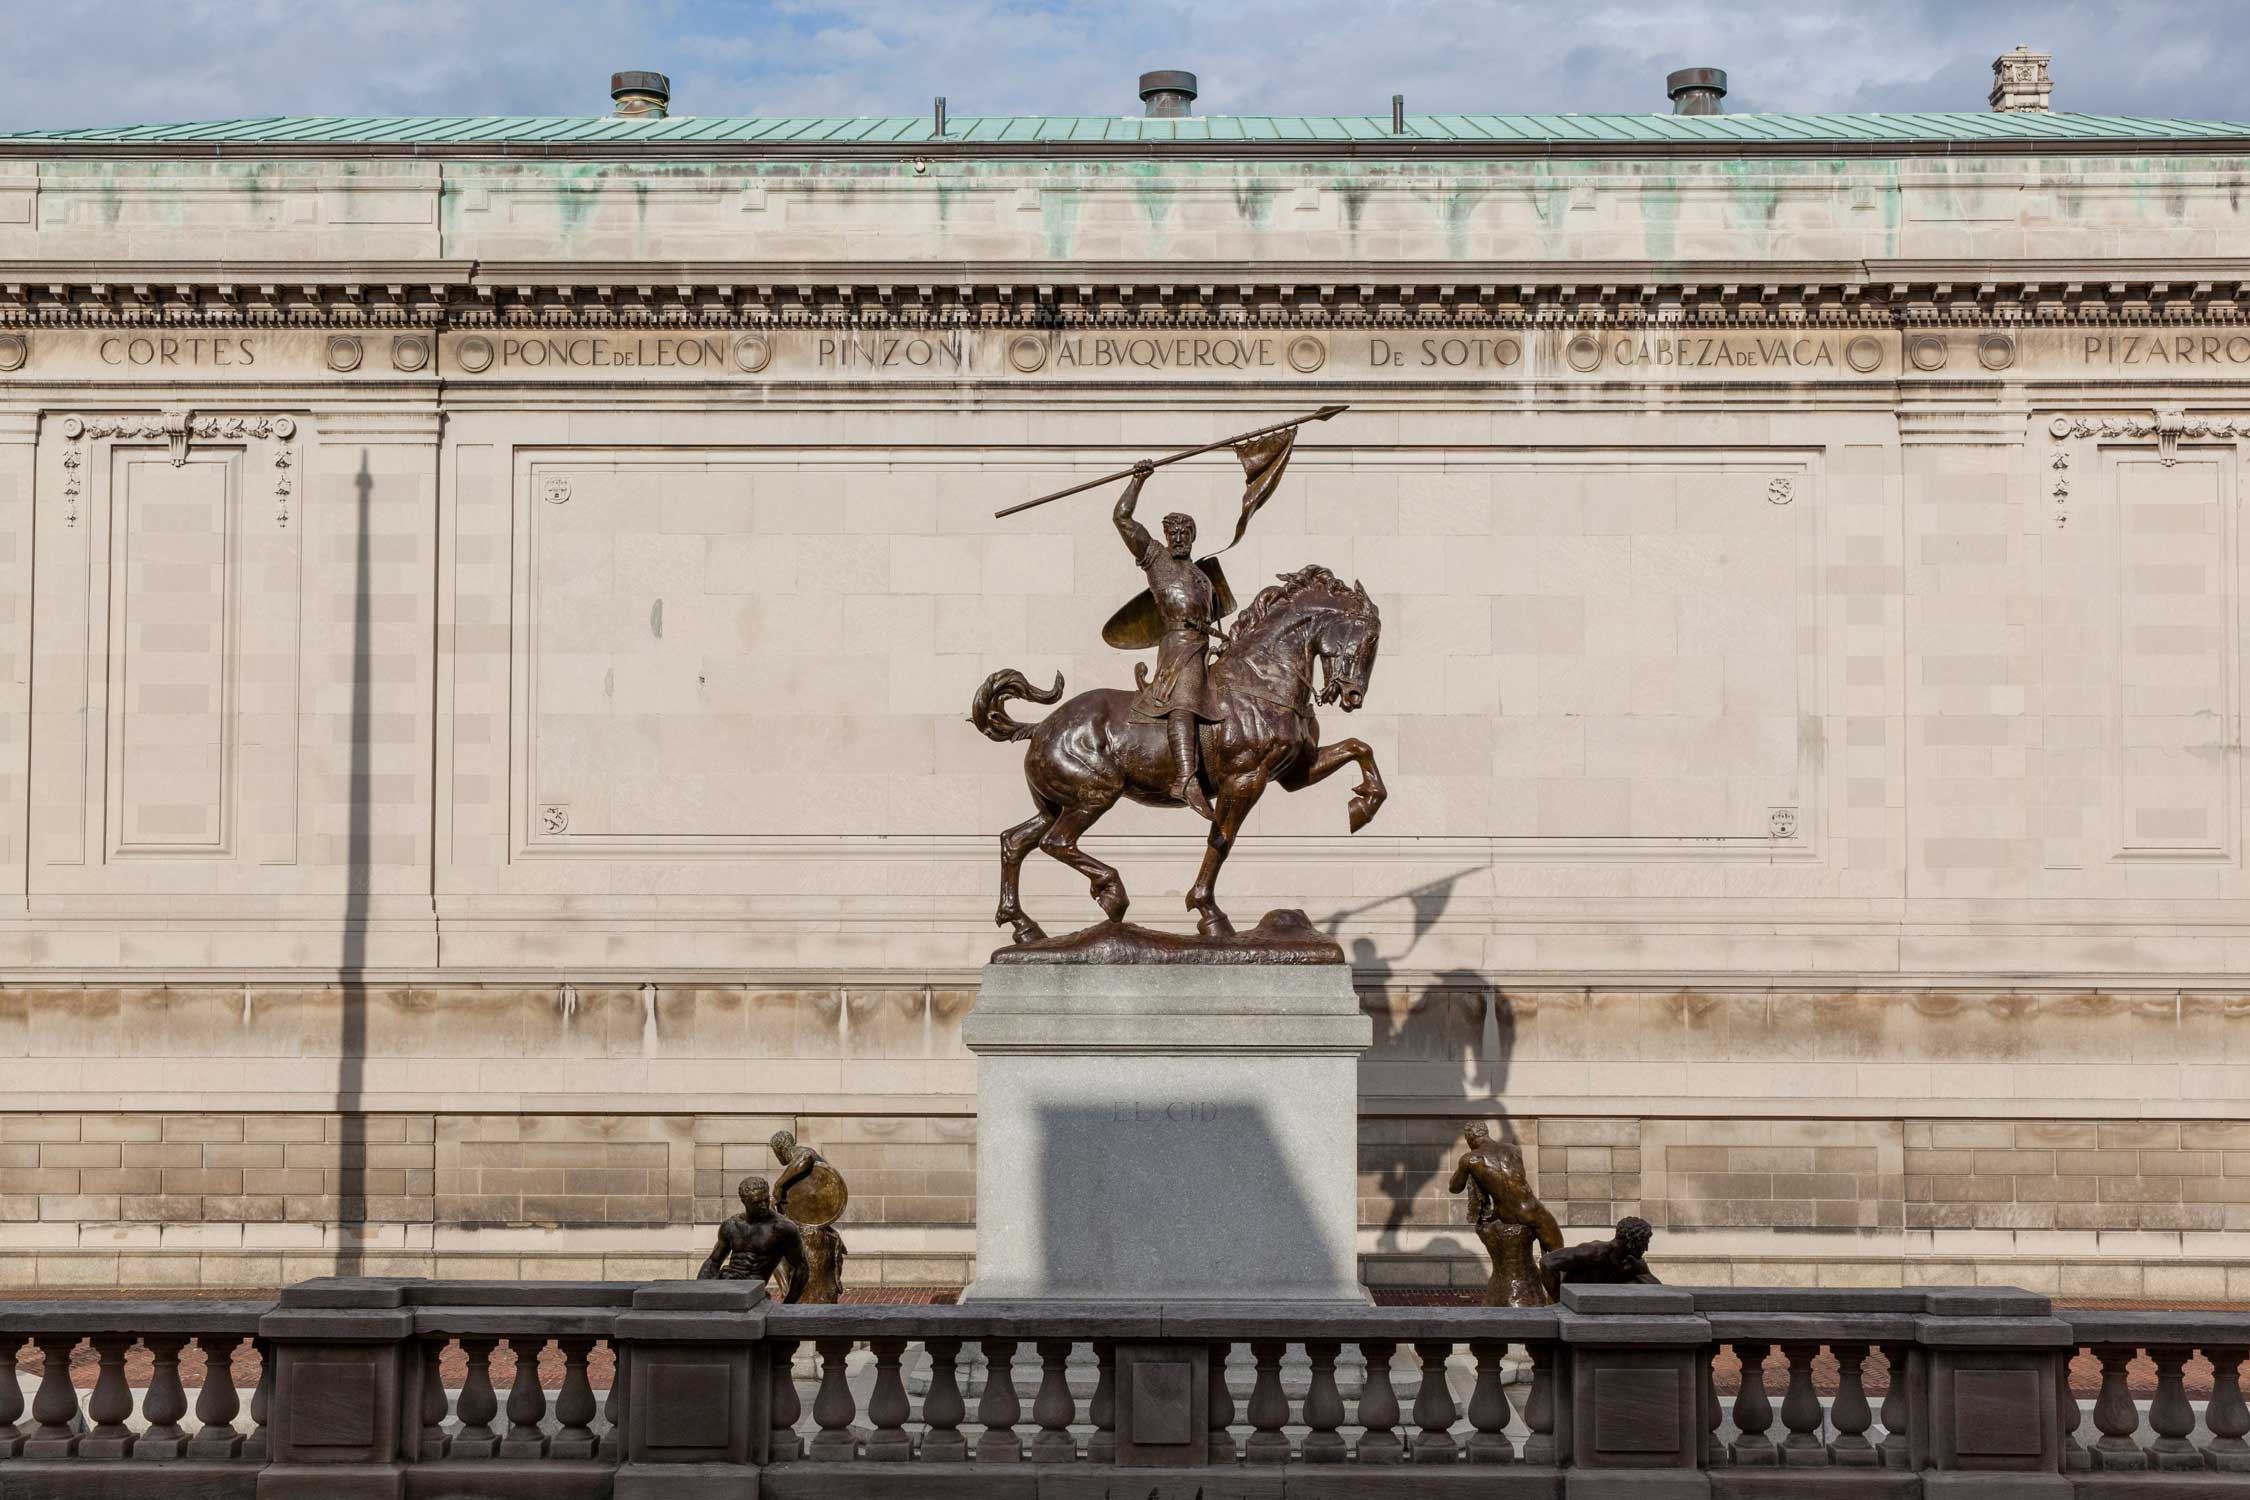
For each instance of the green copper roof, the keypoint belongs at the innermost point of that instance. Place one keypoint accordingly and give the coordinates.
(1505, 133)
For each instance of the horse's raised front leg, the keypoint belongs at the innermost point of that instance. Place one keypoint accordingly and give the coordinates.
(1367, 797)
(1016, 843)
(1237, 795)
(1061, 841)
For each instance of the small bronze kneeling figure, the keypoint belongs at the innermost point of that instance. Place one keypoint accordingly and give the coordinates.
(753, 1243)
(1611, 1262)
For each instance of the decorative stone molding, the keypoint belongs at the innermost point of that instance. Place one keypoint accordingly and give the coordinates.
(178, 429)
(1850, 293)
(2167, 426)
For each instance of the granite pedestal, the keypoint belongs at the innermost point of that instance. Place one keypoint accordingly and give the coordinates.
(1167, 1132)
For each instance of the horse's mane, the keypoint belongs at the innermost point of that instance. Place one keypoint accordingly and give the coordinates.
(1311, 582)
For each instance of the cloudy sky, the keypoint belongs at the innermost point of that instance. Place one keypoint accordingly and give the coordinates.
(130, 61)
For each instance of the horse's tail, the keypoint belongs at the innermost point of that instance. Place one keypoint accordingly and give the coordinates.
(987, 709)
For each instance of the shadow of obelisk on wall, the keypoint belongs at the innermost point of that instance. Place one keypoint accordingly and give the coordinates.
(351, 968)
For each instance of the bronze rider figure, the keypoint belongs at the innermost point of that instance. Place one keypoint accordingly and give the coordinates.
(1187, 605)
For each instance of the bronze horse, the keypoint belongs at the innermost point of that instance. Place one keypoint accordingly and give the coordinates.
(1091, 751)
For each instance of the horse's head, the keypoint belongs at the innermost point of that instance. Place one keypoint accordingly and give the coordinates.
(1346, 642)
(1310, 616)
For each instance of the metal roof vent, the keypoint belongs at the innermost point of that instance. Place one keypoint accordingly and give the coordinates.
(1168, 92)
(641, 95)
(1696, 91)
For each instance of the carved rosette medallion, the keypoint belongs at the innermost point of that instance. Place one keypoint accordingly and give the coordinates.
(752, 353)
(179, 431)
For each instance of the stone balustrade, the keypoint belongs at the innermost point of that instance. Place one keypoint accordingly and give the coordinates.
(390, 1387)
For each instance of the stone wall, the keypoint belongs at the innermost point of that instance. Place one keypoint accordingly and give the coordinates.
(566, 1132)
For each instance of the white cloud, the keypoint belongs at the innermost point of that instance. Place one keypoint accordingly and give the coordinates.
(158, 60)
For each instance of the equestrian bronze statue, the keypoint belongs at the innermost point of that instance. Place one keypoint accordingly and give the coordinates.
(1206, 732)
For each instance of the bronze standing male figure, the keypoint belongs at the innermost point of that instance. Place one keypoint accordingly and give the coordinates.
(811, 1193)
(1188, 607)
(1511, 1221)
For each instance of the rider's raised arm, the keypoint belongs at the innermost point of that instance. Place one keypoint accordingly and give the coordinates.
(1137, 539)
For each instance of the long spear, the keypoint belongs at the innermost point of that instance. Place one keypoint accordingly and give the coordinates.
(1319, 416)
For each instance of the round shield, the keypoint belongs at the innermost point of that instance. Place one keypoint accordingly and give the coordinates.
(818, 1197)
(1136, 626)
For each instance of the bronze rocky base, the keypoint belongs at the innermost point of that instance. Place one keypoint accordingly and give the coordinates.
(1285, 936)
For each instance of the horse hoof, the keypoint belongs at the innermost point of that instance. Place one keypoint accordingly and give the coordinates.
(1110, 896)
(1363, 812)
(1028, 931)
(1215, 925)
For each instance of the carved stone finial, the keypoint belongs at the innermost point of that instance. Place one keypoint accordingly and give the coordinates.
(2020, 84)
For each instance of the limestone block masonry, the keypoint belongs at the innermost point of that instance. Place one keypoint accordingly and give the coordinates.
(1167, 1132)
(486, 629)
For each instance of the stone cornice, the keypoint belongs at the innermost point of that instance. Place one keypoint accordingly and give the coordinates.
(1387, 148)
(470, 294)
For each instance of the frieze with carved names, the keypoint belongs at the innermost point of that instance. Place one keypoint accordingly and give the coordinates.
(1435, 353)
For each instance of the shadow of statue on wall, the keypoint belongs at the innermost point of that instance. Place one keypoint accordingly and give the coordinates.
(1457, 1018)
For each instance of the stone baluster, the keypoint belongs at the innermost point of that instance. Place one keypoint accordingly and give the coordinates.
(615, 1404)
(527, 1403)
(54, 1406)
(1378, 1406)
(1539, 1407)
(430, 1446)
(1488, 1408)
(2169, 1415)
(166, 1400)
(1714, 1448)
(217, 1404)
(256, 1448)
(1101, 1446)
(998, 1409)
(1219, 1407)
(11, 1397)
(2115, 1415)
(110, 1402)
(1800, 1411)
(2069, 1417)
(477, 1406)
(1324, 1407)
(2226, 1415)
(887, 1408)
(1896, 1448)
(1053, 1408)
(1269, 1408)
(1753, 1412)
(574, 1403)
(1434, 1409)
(1849, 1411)
(833, 1406)
(942, 1408)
